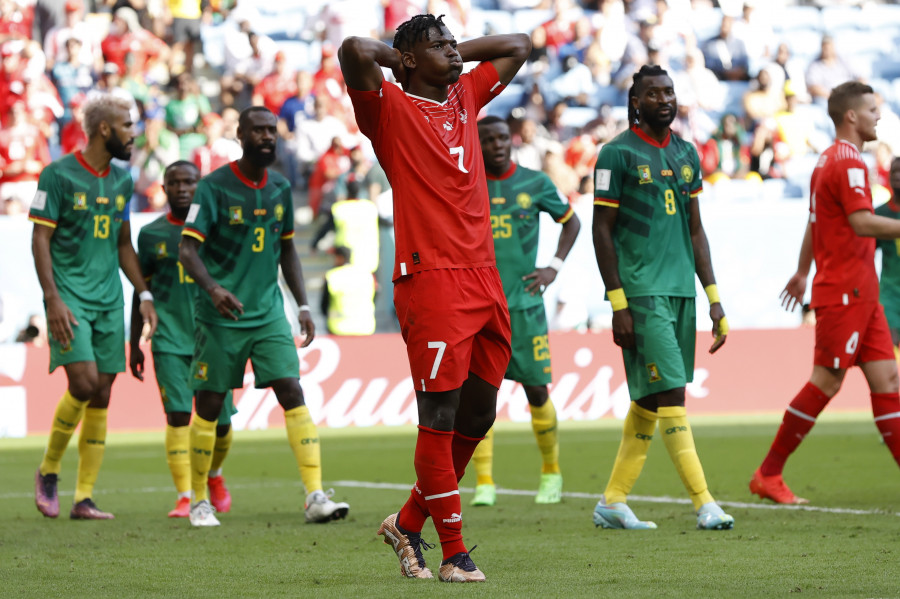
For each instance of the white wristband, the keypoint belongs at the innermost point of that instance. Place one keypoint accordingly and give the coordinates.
(556, 264)
(304, 308)
(145, 296)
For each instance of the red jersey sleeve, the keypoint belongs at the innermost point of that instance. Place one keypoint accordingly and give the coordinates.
(850, 178)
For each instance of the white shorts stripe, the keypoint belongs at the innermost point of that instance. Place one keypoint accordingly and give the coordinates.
(888, 416)
(800, 414)
(440, 495)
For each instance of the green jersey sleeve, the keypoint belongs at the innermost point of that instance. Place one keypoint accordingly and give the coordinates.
(609, 174)
(47, 199)
(551, 201)
(203, 214)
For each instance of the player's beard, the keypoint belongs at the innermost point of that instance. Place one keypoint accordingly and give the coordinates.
(659, 122)
(117, 149)
(258, 158)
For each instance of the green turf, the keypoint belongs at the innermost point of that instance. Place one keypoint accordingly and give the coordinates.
(264, 549)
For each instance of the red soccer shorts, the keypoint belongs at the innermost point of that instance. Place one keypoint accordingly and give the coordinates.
(454, 321)
(852, 334)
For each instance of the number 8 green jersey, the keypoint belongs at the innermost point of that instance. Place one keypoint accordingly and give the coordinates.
(241, 225)
(651, 184)
(86, 209)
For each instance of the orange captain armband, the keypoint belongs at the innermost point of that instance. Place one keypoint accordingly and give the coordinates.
(617, 299)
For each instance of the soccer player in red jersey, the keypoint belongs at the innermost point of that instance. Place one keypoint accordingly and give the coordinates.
(851, 328)
(447, 291)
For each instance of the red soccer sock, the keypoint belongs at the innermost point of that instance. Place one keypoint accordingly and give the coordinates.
(463, 447)
(798, 420)
(438, 487)
(886, 409)
(414, 512)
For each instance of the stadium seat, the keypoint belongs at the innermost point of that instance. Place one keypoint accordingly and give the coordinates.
(527, 20)
(298, 55)
(805, 44)
(490, 22)
(511, 97)
(734, 96)
(835, 18)
(706, 23)
(578, 116)
(791, 18)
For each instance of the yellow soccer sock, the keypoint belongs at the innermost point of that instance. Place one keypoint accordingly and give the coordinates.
(637, 433)
(178, 445)
(91, 448)
(223, 445)
(203, 441)
(69, 412)
(483, 459)
(679, 440)
(304, 440)
(543, 423)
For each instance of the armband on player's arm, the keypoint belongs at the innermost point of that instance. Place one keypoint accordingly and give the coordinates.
(712, 292)
(617, 299)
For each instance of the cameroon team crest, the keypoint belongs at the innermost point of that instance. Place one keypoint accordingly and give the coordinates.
(279, 212)
(201, 371)
(80, 201)
(687, 173)
(524, 201)
(235, 215)
(160, 249)
(653, 373)
(644, 174)
(120, 203)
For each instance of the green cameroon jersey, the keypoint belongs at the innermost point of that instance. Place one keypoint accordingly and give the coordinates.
(241, 225)
(890, 267)
(86, 209)
(173, 290)
(651, 184)
(517, 199)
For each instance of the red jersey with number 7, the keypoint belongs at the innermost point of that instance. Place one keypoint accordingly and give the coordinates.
(845, 262)
(431, 155)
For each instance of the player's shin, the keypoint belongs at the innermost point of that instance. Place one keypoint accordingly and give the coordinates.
(91, 449)
(637, 432)
(221, 449)
(437, 481)
(886, 409)
(69, 412)
(679, 439)
(798, 420)
(303, 438)
(203, 440)
(178, 457)
(483, 459)
(544, 425)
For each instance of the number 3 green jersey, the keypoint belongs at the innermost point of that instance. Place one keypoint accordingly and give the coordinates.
(241, 226)
(651, 184)
(517, 199)
(86, 209)
(173, 290)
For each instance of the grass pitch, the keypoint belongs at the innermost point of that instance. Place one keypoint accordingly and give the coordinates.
(845, 545)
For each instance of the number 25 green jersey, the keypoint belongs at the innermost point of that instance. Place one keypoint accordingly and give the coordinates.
(241, 225)
(651, 184)
(86, 209)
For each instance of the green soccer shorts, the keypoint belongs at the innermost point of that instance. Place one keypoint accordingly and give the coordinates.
(221, 354)
(99, 337)
(665, 334)
(173, 376)
(530, 360)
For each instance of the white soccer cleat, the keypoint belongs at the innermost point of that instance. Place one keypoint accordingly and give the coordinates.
(618, 515)
(202, 514)
(711, 517)
(320, 508)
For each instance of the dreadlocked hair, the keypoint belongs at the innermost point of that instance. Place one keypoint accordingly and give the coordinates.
(648, 70)
(415, 29)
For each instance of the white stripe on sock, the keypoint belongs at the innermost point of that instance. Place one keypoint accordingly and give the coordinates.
(888, 416)
(800, 414)
(440, 495)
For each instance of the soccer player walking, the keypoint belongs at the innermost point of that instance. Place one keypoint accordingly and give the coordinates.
(851, 328)
(518, 195)
(649, 243)
(82, 236)
(239, 229)
(447, 292)
(174, 295)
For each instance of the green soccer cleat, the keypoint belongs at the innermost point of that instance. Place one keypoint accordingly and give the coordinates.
(618, 515)
(550, 489)
(711, 517)
(485, 495)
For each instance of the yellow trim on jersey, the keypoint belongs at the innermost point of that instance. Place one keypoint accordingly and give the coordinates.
(287, 235)
(42, 221)
(567, 216)
(195, 234)
(603, 202)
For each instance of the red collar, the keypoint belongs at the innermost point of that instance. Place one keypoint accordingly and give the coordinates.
(174, 220)
(80, 158)
(640, 133)
(506, 175)
(237, 173)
